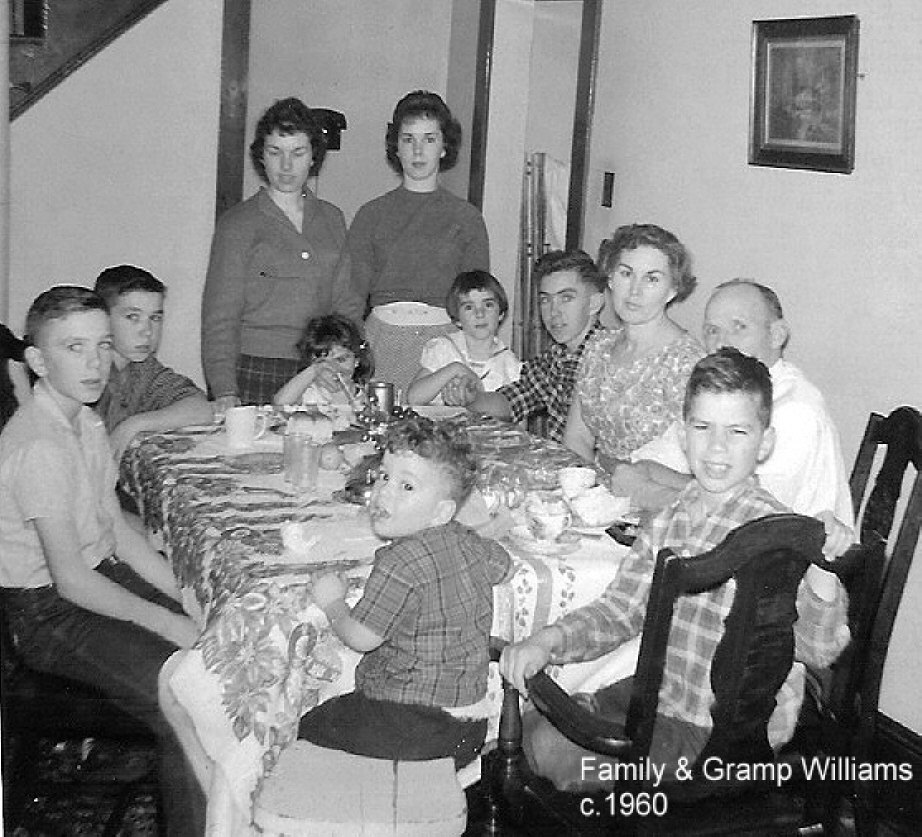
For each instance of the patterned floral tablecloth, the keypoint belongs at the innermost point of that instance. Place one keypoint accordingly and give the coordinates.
(266, 654)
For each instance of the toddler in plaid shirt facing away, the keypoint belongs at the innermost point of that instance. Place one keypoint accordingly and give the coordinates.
(424, 619)
(725, 434)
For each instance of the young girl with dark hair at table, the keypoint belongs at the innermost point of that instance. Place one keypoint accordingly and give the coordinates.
(335, 359)
(477, 305)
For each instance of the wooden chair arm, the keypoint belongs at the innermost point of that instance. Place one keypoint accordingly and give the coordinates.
(577, 723)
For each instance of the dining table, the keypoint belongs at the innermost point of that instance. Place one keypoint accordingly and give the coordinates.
(245, 546)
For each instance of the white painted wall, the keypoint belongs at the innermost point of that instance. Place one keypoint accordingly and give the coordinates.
(505, 154)
(117, 164)
(843, 251)
(354, 56)
(552, 78)
(532, 102)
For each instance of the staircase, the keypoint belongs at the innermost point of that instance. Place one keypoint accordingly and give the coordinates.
(75, 31)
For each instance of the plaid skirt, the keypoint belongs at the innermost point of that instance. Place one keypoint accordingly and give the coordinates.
(260, 378)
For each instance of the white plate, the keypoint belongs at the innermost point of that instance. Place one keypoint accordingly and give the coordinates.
(438, 411)
(522, 538)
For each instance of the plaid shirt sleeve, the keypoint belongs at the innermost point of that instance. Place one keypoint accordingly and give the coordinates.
(164, 388)
(618, 614)
(545, 385)
(387, 592)
(527, 395)
(499, 562)
(142, 388)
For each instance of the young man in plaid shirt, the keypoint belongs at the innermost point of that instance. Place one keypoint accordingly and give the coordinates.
(424, 618)
(571, 293)
(725, 434)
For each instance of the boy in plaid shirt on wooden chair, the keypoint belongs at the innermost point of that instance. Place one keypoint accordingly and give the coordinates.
(424, 619)
(725, 434)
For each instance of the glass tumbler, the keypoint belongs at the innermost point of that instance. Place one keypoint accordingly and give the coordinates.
(302, 461)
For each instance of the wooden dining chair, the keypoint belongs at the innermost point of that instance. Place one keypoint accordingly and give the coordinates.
(767, 558)
(900, 434)
(35, 706)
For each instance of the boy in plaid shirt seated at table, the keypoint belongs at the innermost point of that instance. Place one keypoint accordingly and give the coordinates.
(571, 294)
(424, 619)
(725, 434)
(142, 393)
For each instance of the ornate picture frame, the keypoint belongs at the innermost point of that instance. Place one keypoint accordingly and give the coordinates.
(802, 103)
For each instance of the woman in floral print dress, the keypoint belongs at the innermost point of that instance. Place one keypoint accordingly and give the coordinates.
(631, 379)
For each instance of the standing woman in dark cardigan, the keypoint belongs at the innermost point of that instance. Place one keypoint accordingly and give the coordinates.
(273, 261)
(408, 245)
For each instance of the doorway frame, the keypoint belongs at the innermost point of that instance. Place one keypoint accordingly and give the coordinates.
(590, 28)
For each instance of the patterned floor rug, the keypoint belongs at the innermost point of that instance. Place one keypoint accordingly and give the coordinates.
(81, 784)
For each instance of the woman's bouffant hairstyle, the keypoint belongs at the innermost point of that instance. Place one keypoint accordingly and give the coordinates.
(443, 445)
(632, 236)
(475, 280)
(288, 116)
(422, 103)
(322, 334)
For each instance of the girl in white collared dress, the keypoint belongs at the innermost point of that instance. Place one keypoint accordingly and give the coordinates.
(477, 304)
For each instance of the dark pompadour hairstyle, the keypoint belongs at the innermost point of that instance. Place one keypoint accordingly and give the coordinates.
(557, 261)
(125, 278)
(729, 370)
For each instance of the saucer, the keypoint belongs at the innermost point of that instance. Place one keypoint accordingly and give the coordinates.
(522, 538)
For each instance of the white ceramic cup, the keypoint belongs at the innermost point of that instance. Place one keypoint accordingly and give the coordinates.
(547, 517)
(244, 425)
(576, 479)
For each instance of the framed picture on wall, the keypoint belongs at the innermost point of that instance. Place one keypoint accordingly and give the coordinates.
(802, 106)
